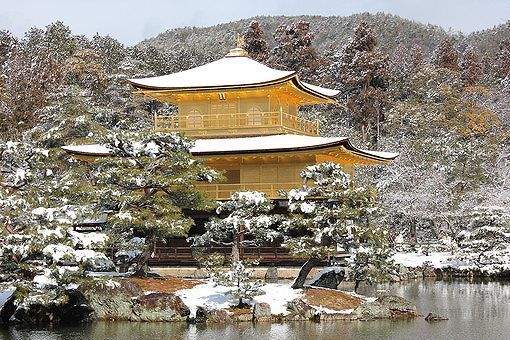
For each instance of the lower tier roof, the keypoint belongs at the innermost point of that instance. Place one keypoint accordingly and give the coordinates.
(284, 143)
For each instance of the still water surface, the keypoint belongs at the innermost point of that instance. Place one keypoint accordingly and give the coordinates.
(476, 311)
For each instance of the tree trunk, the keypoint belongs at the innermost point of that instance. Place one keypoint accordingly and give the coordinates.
(303, 272)
(356, 285)
(142, 267)
(236, 245)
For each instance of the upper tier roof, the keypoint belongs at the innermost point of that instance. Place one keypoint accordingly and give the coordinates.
(235, 70)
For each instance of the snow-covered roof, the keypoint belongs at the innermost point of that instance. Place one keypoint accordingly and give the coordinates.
(260, 143)
(234, 70)
(243, 145)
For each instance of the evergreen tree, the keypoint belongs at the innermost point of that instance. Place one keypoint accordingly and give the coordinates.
(294, 50)
(485, 241)
(503, 61)
(404, 61)
(363, 74)
(248, 222)
(111, 52)
(84, 68)
(330, 213)
(42, 197)
(147, 183)
(471, 69)
(445, 55)
(59, 39)
(254, 42)
(28, 80)
(238, 277)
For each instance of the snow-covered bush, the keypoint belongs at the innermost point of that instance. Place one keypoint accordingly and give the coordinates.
(485, 243)
(146, 184)
(238, 277)
(328, 213)
(249, 222)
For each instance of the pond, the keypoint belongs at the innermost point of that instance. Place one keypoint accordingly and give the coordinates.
(476, 310)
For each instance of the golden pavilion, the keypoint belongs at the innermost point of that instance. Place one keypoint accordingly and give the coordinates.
(244, 119)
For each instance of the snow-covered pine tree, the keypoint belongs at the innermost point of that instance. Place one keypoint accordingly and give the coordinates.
(27, 80)
(485, 242)
(294, 50)
(254, 42)
(446, 55)
(471, 69)
(330, 213)
(146, 183)
(238, 277)
(362, 72)
(503, 59)
(249, 222)
(42, 196)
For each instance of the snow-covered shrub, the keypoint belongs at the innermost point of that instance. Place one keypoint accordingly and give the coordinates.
(239, 277)
(485, 243)
(249, 214)
(329, 212)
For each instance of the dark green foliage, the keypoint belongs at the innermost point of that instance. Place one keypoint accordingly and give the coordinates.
(254, 42)
(147, 182)
(329, 213)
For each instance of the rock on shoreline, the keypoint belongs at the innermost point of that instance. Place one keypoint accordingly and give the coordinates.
(125, 299)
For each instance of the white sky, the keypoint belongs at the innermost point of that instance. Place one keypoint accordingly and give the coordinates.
(131, 21)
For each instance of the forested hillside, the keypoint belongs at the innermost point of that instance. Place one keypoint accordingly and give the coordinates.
(439, 98)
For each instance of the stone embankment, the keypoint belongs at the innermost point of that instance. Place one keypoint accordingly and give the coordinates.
(427, 270)
(128, 299)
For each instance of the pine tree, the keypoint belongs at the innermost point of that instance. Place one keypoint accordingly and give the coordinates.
(239, 277)
(248, 222)
(84, 68)
(471, 69)
(254, 42)
(294, 50)
(445, 55)
(363, 74)
(503, 61)
(404, 61)
(42, 197)
(147, 182)
(111, 52)
(330, 213)
(485, 241)
(28, 81)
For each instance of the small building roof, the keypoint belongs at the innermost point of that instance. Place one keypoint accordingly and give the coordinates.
(235, 70)
(261, 144)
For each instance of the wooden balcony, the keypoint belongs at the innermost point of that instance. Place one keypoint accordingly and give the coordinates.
(221, 192)
(236, 124)
(184, 255)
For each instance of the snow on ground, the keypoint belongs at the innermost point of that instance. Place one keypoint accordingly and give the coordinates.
(277, 296)
(438, 259)
(205, 295)
(215, 297)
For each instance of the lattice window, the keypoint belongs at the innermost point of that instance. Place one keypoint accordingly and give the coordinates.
(194, 119)
(254, 115)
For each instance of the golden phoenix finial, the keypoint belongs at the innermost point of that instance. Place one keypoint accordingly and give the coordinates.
(240, 41)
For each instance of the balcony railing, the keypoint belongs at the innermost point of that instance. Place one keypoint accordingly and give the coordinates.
(224, 191)
(236, 124)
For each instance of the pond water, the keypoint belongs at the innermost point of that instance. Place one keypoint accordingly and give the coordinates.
(476, 311)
